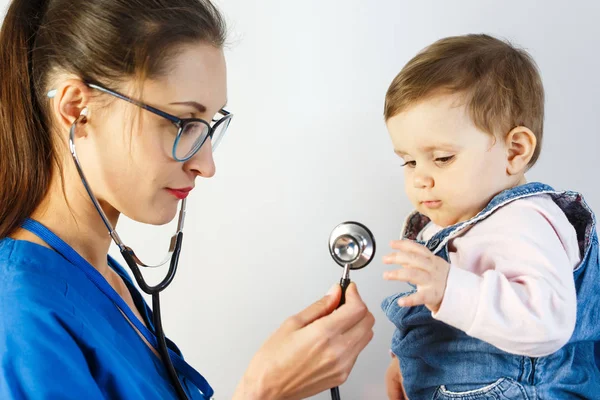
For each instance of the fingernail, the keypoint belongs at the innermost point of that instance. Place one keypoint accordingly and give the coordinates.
(401, 302)
(332, 290)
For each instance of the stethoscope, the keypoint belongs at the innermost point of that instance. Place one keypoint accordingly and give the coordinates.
(133, 262)
(352, 246)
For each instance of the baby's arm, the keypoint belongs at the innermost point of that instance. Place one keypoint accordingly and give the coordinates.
(511, 280)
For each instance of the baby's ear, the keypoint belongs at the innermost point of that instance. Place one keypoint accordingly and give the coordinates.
(520, 145)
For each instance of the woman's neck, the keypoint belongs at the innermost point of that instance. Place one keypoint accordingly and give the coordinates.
(76, 221)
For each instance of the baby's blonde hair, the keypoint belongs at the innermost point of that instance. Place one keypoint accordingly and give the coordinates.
(502, 85)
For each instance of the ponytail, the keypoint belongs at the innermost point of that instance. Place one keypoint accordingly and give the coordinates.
(26, 151)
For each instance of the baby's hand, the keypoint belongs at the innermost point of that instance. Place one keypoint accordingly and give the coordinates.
(421, 268)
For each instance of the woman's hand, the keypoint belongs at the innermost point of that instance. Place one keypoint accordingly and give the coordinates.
(312, 351)
(393, 381)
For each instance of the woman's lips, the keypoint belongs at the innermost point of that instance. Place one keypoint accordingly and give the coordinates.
(180, 193)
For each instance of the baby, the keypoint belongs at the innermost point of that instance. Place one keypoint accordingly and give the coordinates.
(504, 273)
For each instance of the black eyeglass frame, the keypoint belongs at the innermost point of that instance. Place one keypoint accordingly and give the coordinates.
(180, 123)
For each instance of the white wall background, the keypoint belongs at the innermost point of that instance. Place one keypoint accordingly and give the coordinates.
(308, 149)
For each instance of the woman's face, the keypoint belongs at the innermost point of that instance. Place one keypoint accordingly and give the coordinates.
(126, 152)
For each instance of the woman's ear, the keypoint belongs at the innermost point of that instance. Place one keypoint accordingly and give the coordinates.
(70, 101)
(520, 144)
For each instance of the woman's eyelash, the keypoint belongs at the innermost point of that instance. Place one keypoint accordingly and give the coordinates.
(411, 164)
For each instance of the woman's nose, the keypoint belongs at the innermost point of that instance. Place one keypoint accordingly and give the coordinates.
(202, 163)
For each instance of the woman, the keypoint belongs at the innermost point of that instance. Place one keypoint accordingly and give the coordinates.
(138, 88)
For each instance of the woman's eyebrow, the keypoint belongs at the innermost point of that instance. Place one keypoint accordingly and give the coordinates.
(201, 108)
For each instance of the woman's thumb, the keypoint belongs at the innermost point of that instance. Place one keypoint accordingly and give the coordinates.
(320, 308)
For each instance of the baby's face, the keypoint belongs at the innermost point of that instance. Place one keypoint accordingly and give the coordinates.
(451, 168)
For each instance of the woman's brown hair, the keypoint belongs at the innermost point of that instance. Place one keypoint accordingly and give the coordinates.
(100, 41)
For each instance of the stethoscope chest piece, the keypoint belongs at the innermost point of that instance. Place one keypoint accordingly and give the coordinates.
(352, 244)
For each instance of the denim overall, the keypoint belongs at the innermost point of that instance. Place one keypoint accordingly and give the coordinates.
(441, 362)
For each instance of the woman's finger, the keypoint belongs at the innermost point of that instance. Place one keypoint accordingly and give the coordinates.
(318, 309)
(362, 330)
(354, 351)
(348, 315)
(354, 342)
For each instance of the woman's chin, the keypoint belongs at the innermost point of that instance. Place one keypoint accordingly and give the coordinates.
(155, 215)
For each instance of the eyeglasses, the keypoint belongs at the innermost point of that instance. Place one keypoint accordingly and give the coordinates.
(191, 132)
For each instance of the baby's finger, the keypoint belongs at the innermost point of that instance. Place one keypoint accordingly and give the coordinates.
(415, 299)
(409, 246)
(415, 276)
(391, 258)
(409, 260)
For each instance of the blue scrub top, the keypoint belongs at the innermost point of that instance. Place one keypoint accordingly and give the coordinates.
(62, 337)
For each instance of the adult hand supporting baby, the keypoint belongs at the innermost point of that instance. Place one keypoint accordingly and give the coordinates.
(393, 381)
(421, 268)
(312, 351)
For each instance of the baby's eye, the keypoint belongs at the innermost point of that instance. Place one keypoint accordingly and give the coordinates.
(410, 164)
(444, 160)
